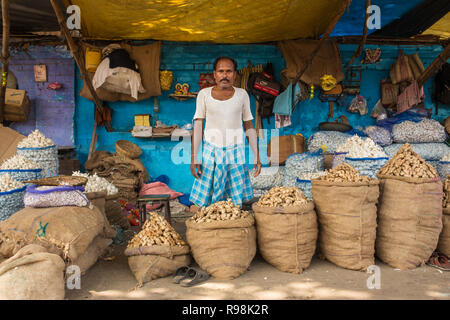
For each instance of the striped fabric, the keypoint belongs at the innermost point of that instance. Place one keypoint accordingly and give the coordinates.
(224, 175)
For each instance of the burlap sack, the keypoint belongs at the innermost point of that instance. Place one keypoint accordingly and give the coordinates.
(148, 59)
(347, 214)
(224, 249)
(98, 199)
(70, 230)
(96, 249)
(287, 236)
(327, 60)
(113, 211)
(32, 274)
(444, 238)
(149, 263)
(409, 220)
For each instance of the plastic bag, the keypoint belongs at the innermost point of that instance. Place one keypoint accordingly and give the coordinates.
(298, 164)
(358, 104)
(330, 139)
(379, 135)
(269, 177)
(379, 112)
(49, 196)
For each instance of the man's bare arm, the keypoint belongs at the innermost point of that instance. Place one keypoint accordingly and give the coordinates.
(197, 136)
(252, 139)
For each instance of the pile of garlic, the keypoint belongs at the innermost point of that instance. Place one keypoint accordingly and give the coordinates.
(35, 140)
(283, 197)
(96, 183)
(7, 183)
(18, 162)
(219, 211)
(344, 173)
(359, 148)
(156, 231)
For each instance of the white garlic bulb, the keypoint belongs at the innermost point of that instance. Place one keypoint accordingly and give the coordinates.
(36, 139)
(96, 183)
(18, 162)
(7, 183)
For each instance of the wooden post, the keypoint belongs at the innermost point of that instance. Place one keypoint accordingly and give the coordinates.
(437, 63)
(78, 60)
(322, 39)
(364, 37)
(5, 56)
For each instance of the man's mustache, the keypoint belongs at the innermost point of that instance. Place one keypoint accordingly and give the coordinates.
(224, 80)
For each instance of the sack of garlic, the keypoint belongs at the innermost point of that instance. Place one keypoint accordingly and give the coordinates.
(41, 150)
(21, 169)
(425, 131)
(287, 229)
(364, 156)
(304, 182)
(11, 196)
(50, 196)
(298, 164)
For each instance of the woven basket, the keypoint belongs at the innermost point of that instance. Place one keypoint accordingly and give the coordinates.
(128, 149)
(60, 181)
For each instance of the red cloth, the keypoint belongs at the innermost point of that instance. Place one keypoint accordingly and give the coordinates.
(158, 188)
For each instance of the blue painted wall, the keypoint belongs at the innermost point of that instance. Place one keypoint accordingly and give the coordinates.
(51, 111)
(187, 61)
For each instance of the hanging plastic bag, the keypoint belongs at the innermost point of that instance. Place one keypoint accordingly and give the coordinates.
(358, 104)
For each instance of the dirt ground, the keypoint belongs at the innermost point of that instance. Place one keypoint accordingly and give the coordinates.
(322, 280)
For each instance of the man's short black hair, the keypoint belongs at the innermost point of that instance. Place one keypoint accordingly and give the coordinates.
(225, 58)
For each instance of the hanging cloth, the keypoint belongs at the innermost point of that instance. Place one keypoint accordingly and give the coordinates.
(283, 102)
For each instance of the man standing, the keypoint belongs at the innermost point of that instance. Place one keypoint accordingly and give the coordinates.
(222, 173)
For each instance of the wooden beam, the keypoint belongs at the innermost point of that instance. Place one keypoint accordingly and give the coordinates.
(5, 56)
(322, 39)
(73, 48)
(434, 66)
(364, 37)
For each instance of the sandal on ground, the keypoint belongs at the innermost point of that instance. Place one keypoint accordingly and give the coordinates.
(440, 261)
(194, 277)
(180, 274)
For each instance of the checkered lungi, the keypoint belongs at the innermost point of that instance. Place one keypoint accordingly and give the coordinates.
(224, 175)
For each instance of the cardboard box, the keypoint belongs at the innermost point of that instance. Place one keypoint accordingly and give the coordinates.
(9, 139)
(142, 120)
(17, 105)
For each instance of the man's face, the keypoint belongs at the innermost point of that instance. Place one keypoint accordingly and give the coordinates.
(224, 74)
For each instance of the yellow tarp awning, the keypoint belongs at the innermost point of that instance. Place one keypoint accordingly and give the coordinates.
(441, 28)
(226, 21)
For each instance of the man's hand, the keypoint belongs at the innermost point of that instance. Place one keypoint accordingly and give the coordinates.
(196, 170)
(257, 168)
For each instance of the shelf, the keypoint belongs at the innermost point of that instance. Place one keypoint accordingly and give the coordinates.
(182, 97)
